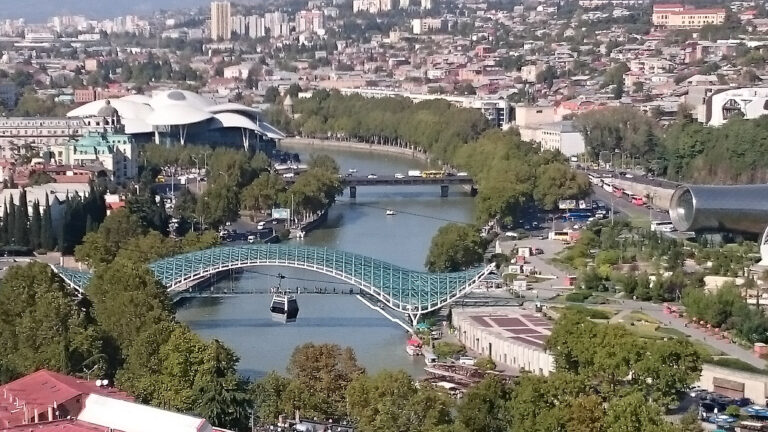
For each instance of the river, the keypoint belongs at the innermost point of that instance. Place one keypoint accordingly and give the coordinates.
(243, 322)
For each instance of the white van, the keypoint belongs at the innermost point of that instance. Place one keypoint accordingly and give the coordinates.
(251, 239)
(261, 225)
(662, 226)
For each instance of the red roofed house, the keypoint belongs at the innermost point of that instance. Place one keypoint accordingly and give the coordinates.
(46, 401)
(679, 16)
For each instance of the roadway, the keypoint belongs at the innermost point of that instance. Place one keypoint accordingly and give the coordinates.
(391, 180)
(632, 211)
(641, 179)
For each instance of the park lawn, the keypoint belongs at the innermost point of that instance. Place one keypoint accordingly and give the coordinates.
(596, 313)
(637, 316)
(734, 363)
(671, 332)
(645, 330)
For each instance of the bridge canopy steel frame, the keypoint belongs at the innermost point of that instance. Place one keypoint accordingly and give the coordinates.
(407, 291)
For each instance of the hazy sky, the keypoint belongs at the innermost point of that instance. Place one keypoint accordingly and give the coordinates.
(40, 10)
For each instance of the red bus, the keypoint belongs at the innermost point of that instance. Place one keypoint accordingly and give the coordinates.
(638, 200)
(618, 191)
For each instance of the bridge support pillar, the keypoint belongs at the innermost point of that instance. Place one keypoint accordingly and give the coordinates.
(353, 192)
(444, 190)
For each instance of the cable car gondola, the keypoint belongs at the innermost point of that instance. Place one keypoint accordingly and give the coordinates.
(284, 308)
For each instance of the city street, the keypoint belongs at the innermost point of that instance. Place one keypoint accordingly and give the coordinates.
(626, 209)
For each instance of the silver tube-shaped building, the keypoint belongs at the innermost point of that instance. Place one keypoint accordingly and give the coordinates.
(741, 208)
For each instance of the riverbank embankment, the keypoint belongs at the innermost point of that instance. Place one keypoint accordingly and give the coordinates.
(356, 145)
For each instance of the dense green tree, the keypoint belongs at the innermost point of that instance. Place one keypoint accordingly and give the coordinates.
(263, 193)
(320, 374)
(323, 162)
(556, 181)
(101, 247)
(455, 247)
(391, 401)
(268, 394)
(634, 413)
(41, 326)
(219, 204)
(40, 178)
(690, 422)
(127, 300)
(271, 94)
(313, 191)
(618, 129)
(223, 398)
(483, 408)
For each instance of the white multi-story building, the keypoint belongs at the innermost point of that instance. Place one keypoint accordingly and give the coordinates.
(750, 103)
(238, 24)
(18, 134)
(256, 27)
(559, 136)
(426, 25)
(310, 21)
(220, 20)
(371, 6)
(277, 24)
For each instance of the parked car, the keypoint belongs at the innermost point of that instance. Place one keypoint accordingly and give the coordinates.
(466, 360)
(538, 251)
(372, 176)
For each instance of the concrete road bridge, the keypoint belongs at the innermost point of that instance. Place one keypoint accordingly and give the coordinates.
(353, 182)
(407, 291)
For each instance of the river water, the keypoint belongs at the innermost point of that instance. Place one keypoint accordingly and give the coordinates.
(243, 321)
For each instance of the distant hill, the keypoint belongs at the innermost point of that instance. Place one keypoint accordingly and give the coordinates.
(40, 10)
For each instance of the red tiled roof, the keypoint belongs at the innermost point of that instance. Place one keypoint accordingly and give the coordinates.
(698, 12)
(66, 425)
(42, 389)
(668, 6)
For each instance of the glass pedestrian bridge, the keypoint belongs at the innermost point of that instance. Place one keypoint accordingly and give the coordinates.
(407, 291)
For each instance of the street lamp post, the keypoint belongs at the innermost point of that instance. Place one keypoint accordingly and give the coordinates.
(197, 167)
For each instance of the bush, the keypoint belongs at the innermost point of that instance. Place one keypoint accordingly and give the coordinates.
(733, 411)
(448, 349)
(591, 313)
(595, 299)
(485, 363)
(578, 296)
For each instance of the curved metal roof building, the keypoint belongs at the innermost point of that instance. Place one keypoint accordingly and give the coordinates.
(184, 116)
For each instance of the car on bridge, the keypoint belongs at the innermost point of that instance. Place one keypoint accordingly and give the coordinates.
(372, 176)
(399, 176)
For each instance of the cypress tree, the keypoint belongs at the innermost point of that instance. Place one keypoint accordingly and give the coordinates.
(35, 227)
(4, 224)
(90, 225)
(22, 220)
(11, 222)
(47, 238)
